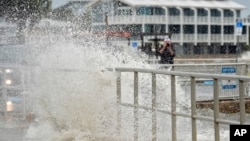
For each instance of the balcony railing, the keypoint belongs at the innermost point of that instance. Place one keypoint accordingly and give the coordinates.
(202, 20)
(155, 19)
(229, 20)
(188, 37)
(171, 19)
(202, 37)
(188, 20)
(215, 20)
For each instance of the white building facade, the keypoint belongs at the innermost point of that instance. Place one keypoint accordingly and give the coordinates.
(198, 26)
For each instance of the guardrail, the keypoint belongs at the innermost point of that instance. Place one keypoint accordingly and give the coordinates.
(228, 87)
(242, 80)
(240, 68)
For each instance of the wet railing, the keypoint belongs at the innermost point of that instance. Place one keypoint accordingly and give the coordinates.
(216, 120)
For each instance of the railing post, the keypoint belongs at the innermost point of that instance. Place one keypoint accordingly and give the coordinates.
(193, 109)
(118, 100)
(246, 70)
(136, 106)
(242, 102)
(173, 107)
(23, 94)
(154, 123)
(216, 110)
(4, 92)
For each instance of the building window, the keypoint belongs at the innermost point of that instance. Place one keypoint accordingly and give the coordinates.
(150, 11)
(238, 13)
(228, 13)
(188, 12)
(174, 28)
(202, 12)
(215, 13)
(188, 29)
(159, 11)
(228, 29)
(173, 12)
(124, 12)
(215, 29)
(155, 28)
(202, 29)
(244, 30)
(144, 11)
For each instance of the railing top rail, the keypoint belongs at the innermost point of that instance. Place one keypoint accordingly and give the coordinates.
(212, 64)
(187, 74)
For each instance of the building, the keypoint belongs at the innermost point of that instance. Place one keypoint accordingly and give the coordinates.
(200, 27)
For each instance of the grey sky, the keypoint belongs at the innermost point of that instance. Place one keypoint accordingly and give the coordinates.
(246, 3)
(244, 13)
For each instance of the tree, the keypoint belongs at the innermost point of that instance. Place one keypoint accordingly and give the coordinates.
(20, 11)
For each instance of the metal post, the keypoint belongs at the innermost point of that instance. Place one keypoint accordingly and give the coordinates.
(237, 48)
(154, 123)
(242, 102)
(23, 94)
(136, 106)
(118, 99)
(4, 93)
(216, 110)
(173, 107)
(193, 109)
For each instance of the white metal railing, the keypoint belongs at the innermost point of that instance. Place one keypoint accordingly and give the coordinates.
(216, 38)
(157, 19)
(202, 38)
(188, 19)
(188, 37)
(202, 19)
(228, 37)
(229, 20)
(216, 20)
(242, 80)
(170, 19)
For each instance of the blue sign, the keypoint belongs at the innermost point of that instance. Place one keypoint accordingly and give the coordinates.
(134, 44)
(229, 84)
(239, 27)
(208, 82)
(239, 24)
(228, 70)
(229, 87)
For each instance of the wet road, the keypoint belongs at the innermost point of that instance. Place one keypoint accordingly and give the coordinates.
(12, 128)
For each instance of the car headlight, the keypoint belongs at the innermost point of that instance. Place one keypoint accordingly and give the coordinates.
(9, 106)
(8, 82)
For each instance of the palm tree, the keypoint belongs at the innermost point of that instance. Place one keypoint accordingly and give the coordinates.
(19, 11)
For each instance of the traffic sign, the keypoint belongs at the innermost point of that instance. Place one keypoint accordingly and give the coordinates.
(229, 84)
(239, 27)
(239, 24)
(134, 44)
(228, 70)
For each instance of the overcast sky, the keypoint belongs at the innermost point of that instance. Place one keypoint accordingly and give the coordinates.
(246, 3)
(244, 13)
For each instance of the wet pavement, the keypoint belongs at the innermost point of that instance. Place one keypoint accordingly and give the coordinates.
(12, 128)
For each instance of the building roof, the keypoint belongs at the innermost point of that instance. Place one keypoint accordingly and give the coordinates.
(226, 4)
